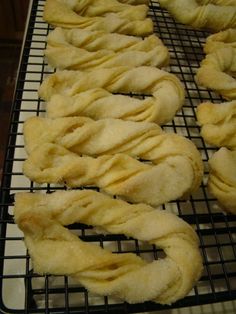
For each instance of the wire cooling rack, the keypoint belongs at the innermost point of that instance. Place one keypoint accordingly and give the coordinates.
(23, 291)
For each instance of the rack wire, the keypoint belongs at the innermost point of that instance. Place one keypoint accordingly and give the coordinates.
(216, 230)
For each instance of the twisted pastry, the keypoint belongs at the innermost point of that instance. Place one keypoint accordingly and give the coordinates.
(211, 14)
(61, 13)
(99, 104)
(112, 136)
(97, 40)
(172, 177)
(218, 123)
(67, 49)
(67, 86)
(135, 2)
(72, 58)
(94, 8)
(222, 178)
(56, 250)
(219, 40)
(217, 72)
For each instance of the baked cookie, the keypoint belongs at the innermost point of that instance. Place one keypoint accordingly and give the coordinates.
(218, 123)
(54, 249)
(172, 176)
(72, 93)
(61, 13)
(215, 15)
(222, 178)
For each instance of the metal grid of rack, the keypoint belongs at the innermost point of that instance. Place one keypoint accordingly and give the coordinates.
(51, 294)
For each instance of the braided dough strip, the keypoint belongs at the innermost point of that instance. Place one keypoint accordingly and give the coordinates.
(55, 250)
(135, 2)
(117, 174)
(211, 14)
(112, 136)
(99, 104)
(222, 178)
(219, 40)
(72, 58)
(218, 123)
(60, 13)
(123, 79)
(217, 72)
(62, 54)
(97, 40)
(64, 91)
(94, 8)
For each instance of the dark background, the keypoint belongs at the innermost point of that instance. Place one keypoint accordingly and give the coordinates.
(13, 15)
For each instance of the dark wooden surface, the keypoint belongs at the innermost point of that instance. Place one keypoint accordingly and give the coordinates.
(9, 60)
(13, 14)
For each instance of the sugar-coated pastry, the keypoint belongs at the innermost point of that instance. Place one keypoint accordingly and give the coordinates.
(222, 178)
(73, 58)
(67, 49)
(171, 177)
(141, 80)
(218, 123)
(217, 72)
(61, 13)
(215, 15)
(94, 8)
(112, 136)
(135, 2)
(75, 93)
(98, 40)
(54, 249)
(219, 40)
(99, 104)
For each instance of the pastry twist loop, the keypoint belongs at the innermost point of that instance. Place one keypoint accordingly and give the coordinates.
(72, 93)
(135, 2)
(61, 13)
(84, 136)
(56, 250)
(66, 49)
(222, 178)
(219, 40)
(98, 40)
(94, 8)
(217, 72)
(210, 14)
(218, 123)
(173, 176)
